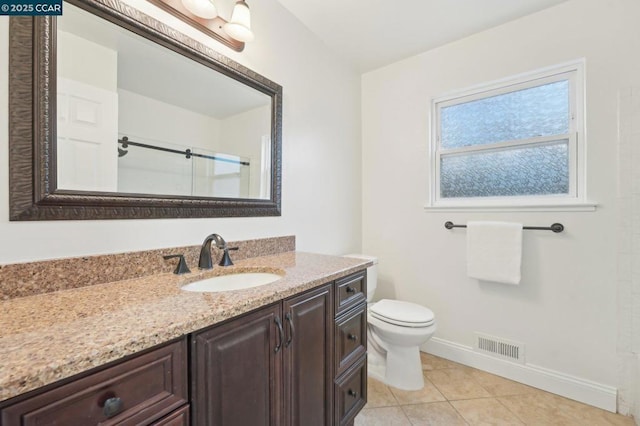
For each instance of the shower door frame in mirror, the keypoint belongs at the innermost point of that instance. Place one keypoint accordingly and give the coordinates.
(33, 192)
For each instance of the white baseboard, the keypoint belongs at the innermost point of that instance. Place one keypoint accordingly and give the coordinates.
(586, 391)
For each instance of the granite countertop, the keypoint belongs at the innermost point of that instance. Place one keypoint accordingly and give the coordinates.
(49, 337)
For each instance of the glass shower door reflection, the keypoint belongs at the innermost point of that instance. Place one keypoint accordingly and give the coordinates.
(221, 175)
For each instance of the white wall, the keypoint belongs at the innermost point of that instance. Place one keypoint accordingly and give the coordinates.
(97, 66)
(629, 249)
(151, 119)
(321, 158)
(565, 307)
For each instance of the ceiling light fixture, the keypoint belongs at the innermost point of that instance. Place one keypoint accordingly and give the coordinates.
(240, 25)
(203, 15)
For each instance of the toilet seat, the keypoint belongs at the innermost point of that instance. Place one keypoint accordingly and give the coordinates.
(403, 314)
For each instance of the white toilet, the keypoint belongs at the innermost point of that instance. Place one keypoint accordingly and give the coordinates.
(396, 331)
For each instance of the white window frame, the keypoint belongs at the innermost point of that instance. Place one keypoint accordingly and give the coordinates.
(576, 198)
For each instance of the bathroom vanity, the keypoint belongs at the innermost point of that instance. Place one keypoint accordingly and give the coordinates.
(143, 351)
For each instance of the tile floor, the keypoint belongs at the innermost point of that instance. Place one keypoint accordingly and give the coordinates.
(455, 394)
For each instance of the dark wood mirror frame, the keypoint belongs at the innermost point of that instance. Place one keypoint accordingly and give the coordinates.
(32, 127)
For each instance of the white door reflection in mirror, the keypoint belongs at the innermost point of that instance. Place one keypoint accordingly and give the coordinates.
(87, 118)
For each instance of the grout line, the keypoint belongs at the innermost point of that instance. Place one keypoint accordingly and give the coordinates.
(471, 399)
(470, 378)
(509, 410)
(439, 391)
(405, 416)
(420, 403)
(393, 395)
(459, 413)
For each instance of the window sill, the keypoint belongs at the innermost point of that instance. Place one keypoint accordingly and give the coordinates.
(569, 207)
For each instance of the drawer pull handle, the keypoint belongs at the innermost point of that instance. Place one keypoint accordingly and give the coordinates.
(351, 289)
(352, 337)
(112, 406)
(352, 393)
(291, 328)
(280, 333)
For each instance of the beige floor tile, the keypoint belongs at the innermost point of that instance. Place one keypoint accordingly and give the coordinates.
(485, 412)
(499, 386)
(427, 394)
(480, 398)
(379, 394)
(432, 362)
(384, 416)
(542, 408)
(434, 413)
(455, 383)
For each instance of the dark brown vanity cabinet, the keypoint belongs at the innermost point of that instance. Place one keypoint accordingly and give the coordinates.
(272, 367)
(149, 389)
(179, 417)
(298, 362)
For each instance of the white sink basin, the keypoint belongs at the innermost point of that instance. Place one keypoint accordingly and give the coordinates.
(230, 282)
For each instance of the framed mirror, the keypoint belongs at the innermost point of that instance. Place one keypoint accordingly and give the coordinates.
(114, 115)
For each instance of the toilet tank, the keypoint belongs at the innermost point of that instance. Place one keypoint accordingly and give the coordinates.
(372, 274)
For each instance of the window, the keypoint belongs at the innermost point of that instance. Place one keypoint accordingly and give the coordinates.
(515, 143)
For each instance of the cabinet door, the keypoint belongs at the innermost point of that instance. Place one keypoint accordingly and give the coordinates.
(308, 358)
(236, 370)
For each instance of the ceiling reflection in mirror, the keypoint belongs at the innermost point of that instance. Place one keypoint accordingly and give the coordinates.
(134, 117)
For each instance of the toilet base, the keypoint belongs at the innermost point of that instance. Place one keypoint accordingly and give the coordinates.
(404, 369)
(401, 367)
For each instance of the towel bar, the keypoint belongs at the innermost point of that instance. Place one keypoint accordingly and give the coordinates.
(556, 227)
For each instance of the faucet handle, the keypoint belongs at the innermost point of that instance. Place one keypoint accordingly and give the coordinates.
(225, 260)
(182, 267)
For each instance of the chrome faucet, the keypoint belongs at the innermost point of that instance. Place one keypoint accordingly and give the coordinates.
(205, 261)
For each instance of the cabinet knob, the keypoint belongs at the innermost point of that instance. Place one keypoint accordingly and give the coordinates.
(351, 289)
(352, 393)
(112, 406)
(352, 337)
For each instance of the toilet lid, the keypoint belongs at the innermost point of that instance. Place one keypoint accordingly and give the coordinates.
(401, 313)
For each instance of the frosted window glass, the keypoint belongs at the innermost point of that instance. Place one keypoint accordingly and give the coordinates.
(537, 111)
(533, 170)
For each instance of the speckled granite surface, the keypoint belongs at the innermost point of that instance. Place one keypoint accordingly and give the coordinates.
(48, 337)
(27, 279)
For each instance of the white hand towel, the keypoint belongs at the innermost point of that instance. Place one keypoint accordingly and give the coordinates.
(494, 251)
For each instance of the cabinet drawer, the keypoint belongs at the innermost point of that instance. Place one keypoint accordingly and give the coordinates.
(351, 337)
(137, 391)
(177, 418)
(351, 392)
(350, 291)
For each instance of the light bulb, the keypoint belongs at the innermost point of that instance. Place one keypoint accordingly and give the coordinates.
(201, 8)
(239, 27)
